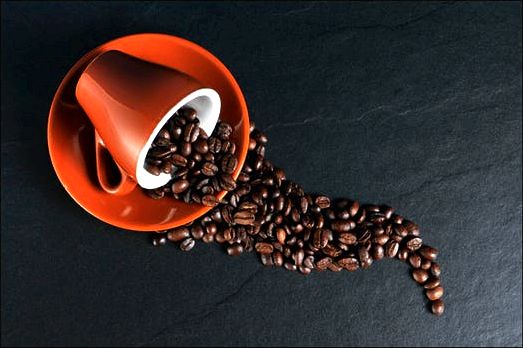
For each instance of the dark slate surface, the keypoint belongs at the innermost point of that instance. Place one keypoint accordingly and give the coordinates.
(417, 105)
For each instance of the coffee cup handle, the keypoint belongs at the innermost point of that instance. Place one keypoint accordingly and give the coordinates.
(108, 177)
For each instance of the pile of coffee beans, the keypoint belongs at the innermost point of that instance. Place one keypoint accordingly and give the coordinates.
(201, 166)
(301, 232)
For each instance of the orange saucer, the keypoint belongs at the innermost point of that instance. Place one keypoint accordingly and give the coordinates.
(70, 134)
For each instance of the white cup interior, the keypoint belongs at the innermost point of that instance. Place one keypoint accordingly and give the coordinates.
(207, 104)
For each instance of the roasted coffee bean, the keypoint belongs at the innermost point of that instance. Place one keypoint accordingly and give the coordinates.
(201, 146)
(178, 234)
(411, 227)
(432, 283)
(323, 263)
(209, 169)
(377, 252)
(414, 244)
(434, 294)
(428, 252)
(235, 249)
(289, 266)
(229, 163)
(281, 235)
(244, 217)
(331, 250)
(153, 169)
(266, 259)
(227, 182)
(298, 257)
(403, 254)
(179, 160)
(188, 113)
(341, 226)
(208, 238)
(435, 269)
(400, 231)
(209, 200)
(215, 145)
(180, 186)
(191, 133)
(347, 238)
(415, 260)
(159, 240)
(322, 201)
(277, 258)
(351, 264)
(334, 267)
(425, 264)
(264, 248)
(365, 259)
(391, 248)
(380, 239)
(187, 244)
(437, 307)
(186, 150)
(420, 275)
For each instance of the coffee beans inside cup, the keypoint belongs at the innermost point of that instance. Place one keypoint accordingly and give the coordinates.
(200, 165)
(266, 213)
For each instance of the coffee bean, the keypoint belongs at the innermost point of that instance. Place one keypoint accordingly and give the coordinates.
(415, 260)
(420, 275)
(323, 263)
(425, 264)
(289, 266)
(235, 249)
(349, 263)
(188, 113)
(380, 239)
(227, 182)
(411, 227)
(209, 169)
(435, 269)
(432, 283)
(209, 200)
(277, 258)
(159, 240)
(365, 258)
(428, 252)
(215, 145)
(178, 234)
(438, 307)
(341, 226)
(347, 238)
(434, 294)
(377, 252)
(208, 238)
(323, 202)
(334, 267)
(266, 259)
(180, 186)
(153, 169)
(414, 244)
(403, 254)
(197, 231)
(298, 257)
(179, 160)
(391, 248)
(264, 248)
(187, 244)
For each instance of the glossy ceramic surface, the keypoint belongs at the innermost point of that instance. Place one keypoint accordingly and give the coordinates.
(71, 138)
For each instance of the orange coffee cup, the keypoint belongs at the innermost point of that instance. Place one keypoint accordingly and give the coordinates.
(128, 101)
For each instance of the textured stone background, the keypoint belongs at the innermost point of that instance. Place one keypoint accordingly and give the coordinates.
(417, 105)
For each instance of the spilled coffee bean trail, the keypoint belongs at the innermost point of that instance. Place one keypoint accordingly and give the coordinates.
(265, 212)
